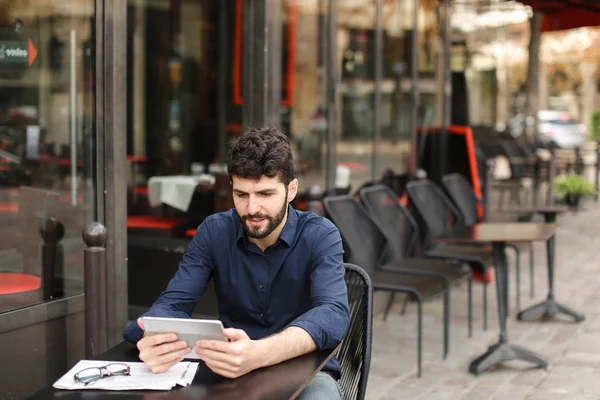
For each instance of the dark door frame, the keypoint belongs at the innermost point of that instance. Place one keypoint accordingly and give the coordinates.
(111, 153)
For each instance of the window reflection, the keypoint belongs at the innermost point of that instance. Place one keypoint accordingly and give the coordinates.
(304, 105)
(356, 33)
(46, 145)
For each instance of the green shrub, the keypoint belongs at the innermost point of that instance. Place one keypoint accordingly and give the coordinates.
(572, 184)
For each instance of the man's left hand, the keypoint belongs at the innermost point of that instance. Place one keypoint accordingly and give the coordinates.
(230, 359)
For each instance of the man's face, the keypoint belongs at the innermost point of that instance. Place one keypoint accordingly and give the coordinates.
(262, 204)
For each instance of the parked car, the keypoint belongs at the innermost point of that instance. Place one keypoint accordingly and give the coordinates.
(557, 128)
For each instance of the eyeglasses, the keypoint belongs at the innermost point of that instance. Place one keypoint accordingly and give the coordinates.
(92, 374)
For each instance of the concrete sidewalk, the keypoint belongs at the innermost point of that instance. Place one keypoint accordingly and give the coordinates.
(572, 350)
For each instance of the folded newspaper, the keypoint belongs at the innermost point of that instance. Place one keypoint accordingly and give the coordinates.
(140, 377)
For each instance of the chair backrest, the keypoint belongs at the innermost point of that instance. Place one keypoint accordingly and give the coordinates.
(355, 351)
(364, 243)
(393, 219)
(464, 198)
(434, 208)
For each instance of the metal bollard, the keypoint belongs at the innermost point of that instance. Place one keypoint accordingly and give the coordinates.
(94, 264)
(487, 188)
(52, 231)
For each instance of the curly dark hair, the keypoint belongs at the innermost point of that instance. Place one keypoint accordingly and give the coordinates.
(261, 151)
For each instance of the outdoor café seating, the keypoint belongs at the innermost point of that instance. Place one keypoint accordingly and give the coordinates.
(366, 245)
(436, 214)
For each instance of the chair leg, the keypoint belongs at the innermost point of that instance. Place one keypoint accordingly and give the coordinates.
(446, 323)
(470, 306)
(531, 271)
(405, 304)
(506, 290)
(389, 305)
(501, 199)
(419, 334)
(515, 197)
(518, 263)
(485, 287)
(518, 282)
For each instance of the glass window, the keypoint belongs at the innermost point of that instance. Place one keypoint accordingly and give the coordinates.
(46, 148)
(356, 47)
(395, 140)
(185, 103)
(304, 103)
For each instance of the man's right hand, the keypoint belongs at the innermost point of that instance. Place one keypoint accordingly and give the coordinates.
(160, 352)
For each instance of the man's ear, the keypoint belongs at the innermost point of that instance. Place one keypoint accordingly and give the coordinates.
(292, 190)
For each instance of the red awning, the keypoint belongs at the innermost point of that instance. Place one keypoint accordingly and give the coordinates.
(566, 14)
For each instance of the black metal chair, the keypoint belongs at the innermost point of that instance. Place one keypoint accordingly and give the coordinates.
(436, 214)
(355, 351)
(468, 204)
(402, 233)
(365, 245)
(521, 166)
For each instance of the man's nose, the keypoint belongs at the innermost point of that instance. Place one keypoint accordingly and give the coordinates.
(253, 206)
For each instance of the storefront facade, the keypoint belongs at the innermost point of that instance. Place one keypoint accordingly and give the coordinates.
(97, 97)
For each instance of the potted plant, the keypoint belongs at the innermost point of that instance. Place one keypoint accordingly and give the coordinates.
(572, 187)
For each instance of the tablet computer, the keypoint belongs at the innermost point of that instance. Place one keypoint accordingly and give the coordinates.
(190, 330)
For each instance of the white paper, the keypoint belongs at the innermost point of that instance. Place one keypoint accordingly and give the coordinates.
(141, 378)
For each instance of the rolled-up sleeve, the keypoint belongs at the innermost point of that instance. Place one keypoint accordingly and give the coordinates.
(328, 319)
(185, 288)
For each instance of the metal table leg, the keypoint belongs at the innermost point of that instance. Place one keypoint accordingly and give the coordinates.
(549, 307)
(502, 351)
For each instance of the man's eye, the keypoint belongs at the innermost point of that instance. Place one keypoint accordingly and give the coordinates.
(266, 194)
(242, 195)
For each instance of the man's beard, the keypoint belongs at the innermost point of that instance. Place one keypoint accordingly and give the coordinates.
(259, 232)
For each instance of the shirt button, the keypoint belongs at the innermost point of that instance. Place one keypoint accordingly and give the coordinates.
(262, 315)
(262, 287)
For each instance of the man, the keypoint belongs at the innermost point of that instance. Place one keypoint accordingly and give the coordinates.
(278, 274)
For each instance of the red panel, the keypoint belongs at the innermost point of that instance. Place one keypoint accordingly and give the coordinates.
(151, 221)
(9, 207)
(565, 14)
(11, 283)
(191, 232)
(237, 55)
(570, 19)
(140, 190)
(138, 159)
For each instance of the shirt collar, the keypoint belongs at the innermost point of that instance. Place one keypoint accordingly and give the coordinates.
(287, 234)
(289, 230)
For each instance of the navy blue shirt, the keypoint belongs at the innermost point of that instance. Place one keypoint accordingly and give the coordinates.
(298, 281)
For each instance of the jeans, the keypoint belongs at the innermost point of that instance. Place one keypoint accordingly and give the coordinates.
(322, 387)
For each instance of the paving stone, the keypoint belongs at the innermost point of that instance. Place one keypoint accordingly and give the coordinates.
(512, 392)
(559, 396)
(531, 378)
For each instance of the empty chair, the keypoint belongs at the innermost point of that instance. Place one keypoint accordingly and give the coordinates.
(365, 245)
(355, 351)
(402, 233)
(438, 215)
(468, 204)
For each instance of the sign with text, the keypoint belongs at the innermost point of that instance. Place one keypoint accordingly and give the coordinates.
(17, 52)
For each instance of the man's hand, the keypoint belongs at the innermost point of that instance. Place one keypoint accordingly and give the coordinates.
(231, 359)
(160, 352)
